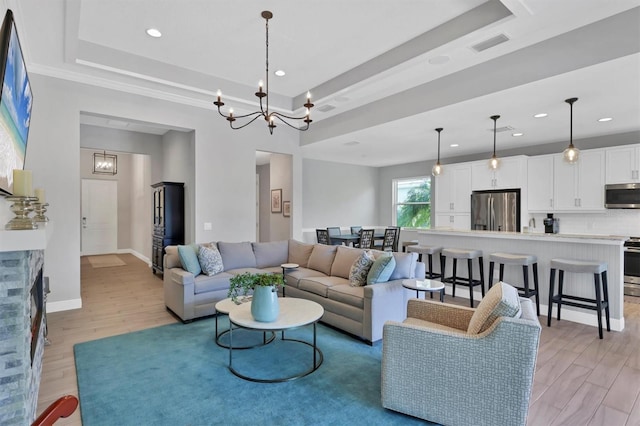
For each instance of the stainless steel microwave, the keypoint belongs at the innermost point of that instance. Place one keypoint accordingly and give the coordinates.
(622, 196)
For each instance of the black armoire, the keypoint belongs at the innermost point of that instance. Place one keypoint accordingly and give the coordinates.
(168, 220)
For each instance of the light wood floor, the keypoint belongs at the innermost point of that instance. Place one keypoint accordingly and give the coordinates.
(579, 380)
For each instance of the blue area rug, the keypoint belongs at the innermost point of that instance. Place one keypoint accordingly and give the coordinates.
(177, 375)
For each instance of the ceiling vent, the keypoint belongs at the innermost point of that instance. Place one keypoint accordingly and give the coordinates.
(503, 129)
(493, 41)
(326, 108)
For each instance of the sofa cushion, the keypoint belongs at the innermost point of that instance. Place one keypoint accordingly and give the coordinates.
(321, 258)
(360, 269)
(320, 285)
(295, 275)
(381, 269)
(405, 266)
(274, 253)
(501, 301)
(237, 255)
(353, 296)
(189, 258)
(299, 252)
(345, 257)
(205, 283)
(210, 260)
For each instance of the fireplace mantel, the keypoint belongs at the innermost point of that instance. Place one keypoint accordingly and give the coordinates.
(26, 240)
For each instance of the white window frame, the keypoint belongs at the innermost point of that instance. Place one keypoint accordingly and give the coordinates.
(394, 190)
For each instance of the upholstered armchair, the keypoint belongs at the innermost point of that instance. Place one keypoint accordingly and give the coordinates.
(456, 365)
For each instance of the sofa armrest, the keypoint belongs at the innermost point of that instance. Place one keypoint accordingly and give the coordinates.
(179, 292)
(440, 313)
(382, 302)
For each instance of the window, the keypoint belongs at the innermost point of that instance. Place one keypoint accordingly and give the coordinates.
(412, 202)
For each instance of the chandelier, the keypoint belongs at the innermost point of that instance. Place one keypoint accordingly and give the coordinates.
(263, 95)
(105, 164)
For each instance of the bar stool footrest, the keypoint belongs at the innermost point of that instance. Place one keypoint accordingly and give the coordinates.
(563, 301)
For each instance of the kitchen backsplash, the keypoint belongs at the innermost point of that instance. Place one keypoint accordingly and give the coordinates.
(611, 222)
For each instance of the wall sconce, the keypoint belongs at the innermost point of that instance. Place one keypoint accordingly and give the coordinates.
(105, 164)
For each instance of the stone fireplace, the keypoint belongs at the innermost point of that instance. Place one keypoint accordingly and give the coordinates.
(22, 331)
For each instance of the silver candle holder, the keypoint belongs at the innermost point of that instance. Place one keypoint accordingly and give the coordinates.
(21, 207)
(40, 210)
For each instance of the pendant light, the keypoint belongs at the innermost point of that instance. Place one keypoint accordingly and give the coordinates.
(572, 153)
(437, 168)
(494, 162)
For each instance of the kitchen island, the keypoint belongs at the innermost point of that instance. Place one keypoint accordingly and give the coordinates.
(546, 247)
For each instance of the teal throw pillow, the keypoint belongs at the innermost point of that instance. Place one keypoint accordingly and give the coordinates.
(189, 258)
(381, 270)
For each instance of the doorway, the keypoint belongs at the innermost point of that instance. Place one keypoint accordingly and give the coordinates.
(99, 217)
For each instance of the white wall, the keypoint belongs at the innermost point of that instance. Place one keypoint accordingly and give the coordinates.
(179, 166)
(141, 205)
(264, 194)
(340, 195)
(224, 168)
(280, 178)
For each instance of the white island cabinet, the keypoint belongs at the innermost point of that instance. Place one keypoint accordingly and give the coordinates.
(546, 247)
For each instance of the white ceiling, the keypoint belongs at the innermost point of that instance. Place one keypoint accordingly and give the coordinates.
(393, 70)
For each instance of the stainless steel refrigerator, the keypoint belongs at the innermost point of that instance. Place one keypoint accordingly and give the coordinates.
(496, 210)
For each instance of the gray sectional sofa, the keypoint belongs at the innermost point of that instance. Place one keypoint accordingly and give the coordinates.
(323, 276)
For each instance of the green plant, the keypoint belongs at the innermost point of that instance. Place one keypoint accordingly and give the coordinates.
(241, 284)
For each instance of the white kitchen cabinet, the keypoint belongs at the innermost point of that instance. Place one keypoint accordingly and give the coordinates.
(623, 164)
(453, 189)
(512, 173)
(540, 183)
(580, 186)
(459, 221)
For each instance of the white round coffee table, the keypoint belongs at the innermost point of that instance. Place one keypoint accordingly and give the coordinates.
(425, 285)
(225, 306)
(294, 313)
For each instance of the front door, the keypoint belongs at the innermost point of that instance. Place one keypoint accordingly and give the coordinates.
(99, 218)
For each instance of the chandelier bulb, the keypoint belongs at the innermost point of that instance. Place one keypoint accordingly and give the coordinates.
(437, 169)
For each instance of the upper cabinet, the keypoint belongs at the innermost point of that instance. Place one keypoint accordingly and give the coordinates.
(540, 182)
(580, 186)
(623, 164)
(453, 189)
(512, 173)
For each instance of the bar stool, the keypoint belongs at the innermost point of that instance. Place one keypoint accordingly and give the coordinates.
(523, 260)
(598, 269)
(469, 255)
(408, 243)
(430, 251)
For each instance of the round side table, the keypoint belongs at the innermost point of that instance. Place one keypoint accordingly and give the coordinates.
(430, 286)
(284, 267)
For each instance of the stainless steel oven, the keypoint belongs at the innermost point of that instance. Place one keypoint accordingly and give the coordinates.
(632, 266)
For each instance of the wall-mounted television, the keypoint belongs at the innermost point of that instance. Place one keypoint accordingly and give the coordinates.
(15, 104)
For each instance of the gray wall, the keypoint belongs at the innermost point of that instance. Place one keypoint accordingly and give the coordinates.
(264, 194)
(280, 178)
(339, 195)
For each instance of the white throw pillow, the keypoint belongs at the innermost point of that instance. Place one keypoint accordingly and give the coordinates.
(210, 260)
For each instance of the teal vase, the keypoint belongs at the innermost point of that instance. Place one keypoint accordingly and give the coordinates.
(264, 304)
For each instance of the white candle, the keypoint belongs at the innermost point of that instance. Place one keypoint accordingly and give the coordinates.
(40, 194)
(22, 183)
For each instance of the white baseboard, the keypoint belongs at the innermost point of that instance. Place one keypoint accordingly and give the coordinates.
(64, 305)
(136, 254)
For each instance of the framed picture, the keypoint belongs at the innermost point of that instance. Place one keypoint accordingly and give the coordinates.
(276, 201)
(286, 208)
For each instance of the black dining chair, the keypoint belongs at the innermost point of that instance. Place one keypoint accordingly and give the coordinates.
(334, 230)
(366, 238)
(397, 240)
(322, 235)
(389, 239)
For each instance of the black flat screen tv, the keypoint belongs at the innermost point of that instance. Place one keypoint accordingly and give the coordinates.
(15, 104)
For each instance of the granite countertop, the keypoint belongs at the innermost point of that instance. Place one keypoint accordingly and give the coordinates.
(579, 238)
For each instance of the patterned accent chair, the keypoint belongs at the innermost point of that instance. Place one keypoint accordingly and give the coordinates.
(456, 365)
(322, 235)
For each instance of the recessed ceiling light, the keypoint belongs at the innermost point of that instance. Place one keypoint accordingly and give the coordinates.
(602, 120)
(517, 134)
(541, 115)
(280, 73)
(454, 145)
(154, 32)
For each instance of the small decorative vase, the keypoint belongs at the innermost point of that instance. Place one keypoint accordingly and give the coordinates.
(264, 304)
